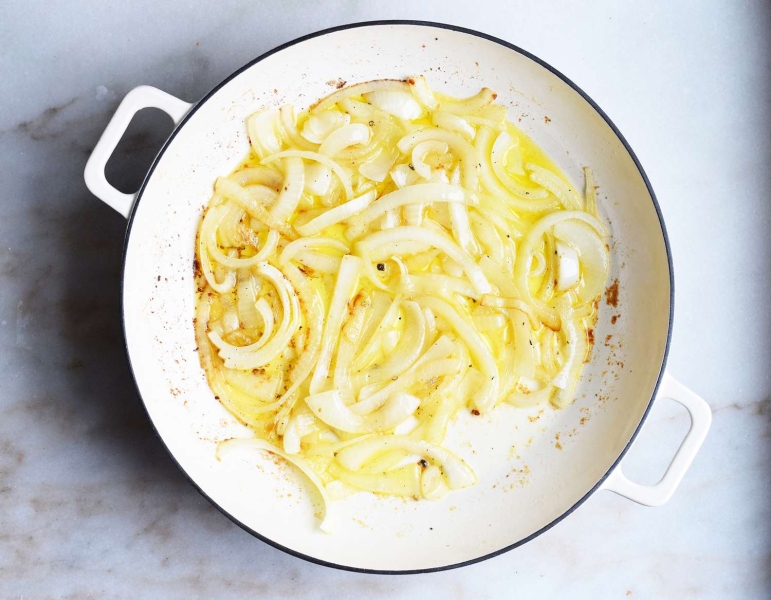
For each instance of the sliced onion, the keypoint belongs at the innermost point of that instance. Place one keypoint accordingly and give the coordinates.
(257, 355)
(577, 346)
(420, 151)
(345, 287)
(567, 267)
(440, 349)
(398, 103)
(337, 214)
(318, 179)
(291, 249)
(262, 128)
(502, 147)
(422, 92)
(590, 193)
(526, 394)
(379, 167)
(266, 176)
(436, 284)
(525, 255)
(330, 408)
(595, 261)
(567, 196)
(358, 90)
(451, 122)
(344, 178)
(426, 192)
(456, 472)
(289, 125)
(318, 126)
(404, 481)
(485, 397)
(294, 183)
(432, 485)
(468, 105)
(462, 150)
(521, 199)
(408, 349)
(249, 198)
(246, 295)
(403, 176)
(371, 337)
(440, 241)
(233, 447)
(340, 139)
(208, 233)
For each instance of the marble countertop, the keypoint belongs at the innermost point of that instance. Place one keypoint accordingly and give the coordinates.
(90, 503)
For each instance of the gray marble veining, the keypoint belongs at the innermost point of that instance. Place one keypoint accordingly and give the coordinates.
(91, 505)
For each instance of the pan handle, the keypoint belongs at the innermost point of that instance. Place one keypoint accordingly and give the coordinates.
(140, 97)
(660, 493)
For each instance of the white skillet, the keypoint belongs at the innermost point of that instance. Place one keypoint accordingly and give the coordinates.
(535, 467)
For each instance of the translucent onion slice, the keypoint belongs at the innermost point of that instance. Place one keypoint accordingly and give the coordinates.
(318, 126)
(407, 351)
(502, 146)
(261, 386)
(595, 260)
(435, 239)
(452, 122)
(337, 214)
(379, 167)
(420, 151)
(344, 178)
(358, 90)
(403, 176)
(432, 485)
(521, 199)
(468, 105)
(345, 286)
(398, 103)
(436, 284)
(349, 343)
(577, 347)
(404, 481)
(294, 183)
(246, 300)
(371, 337)
(440, 349)
(208, 233)
(330, 408)
(422, 92)
(255, 355)
(525, 255)
(323, 263)
(266, 176)
(462, 150)
(523, 396)
(590, 193)
(234, 447)
(524, 348)
(425, 192)
(567, 195)
(289, 125)
(456, 472)
(249, 198)
(346, 136)
(262, 128)
(567, 267)
(514, 303)
(293, 248)
(318, 179)
(484, 398)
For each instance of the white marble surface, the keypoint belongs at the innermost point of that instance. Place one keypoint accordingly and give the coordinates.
(90, 504)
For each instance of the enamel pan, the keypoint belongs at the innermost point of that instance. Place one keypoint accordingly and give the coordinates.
(536, 466)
